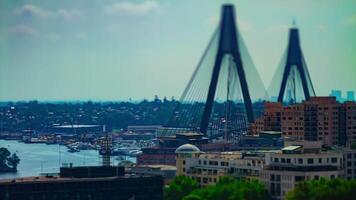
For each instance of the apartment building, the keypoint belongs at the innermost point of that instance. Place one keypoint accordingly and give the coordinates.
(302, 161)
(318, 119)
(207, 168)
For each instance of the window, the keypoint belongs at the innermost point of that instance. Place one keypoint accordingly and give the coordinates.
(205, 180)
(299, 178)
(320, 160)
(349, 163)
(300, 160)
(310, 160)
(271, 177)
(334, 160)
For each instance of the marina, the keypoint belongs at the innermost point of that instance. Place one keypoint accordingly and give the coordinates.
(37, 158)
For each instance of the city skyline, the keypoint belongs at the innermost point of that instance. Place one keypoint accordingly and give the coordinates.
(87, 50)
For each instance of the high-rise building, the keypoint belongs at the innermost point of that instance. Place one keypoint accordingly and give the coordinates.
(318, 119)
(350, 122)
(350, 96)
(337, 94)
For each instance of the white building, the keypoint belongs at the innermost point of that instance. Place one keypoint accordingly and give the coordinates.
(297, 163)
(207, 168)
(278, 170)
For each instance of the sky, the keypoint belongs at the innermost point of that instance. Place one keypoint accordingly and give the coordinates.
(117, 50)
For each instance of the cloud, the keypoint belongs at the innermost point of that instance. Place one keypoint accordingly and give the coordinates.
(350, 21)
(29, 11)
(68, 14)
(82, 36)
(53, 36)
(244, 25)
(213, 21)
(23, 30)
(132, 8)
(321, 27)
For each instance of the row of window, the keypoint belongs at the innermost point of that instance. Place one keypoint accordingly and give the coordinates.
(301, 160)
(212, 162)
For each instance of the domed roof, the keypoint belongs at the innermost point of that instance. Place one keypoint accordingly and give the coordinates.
(187, 148)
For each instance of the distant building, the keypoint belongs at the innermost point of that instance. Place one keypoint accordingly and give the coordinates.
(337, 94)
(77, 129)
(350, 96)
(144, 128)
(76, 183)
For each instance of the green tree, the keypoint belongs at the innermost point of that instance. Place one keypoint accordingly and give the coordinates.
(4, 154)
(323, 189)
(13, 161)
(180, 186)
(8, 162)
(227, 188)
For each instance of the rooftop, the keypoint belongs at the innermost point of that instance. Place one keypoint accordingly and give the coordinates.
(187, 148)
(77, 126)
(46, 179)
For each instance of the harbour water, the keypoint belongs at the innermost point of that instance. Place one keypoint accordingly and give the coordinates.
(43, 158)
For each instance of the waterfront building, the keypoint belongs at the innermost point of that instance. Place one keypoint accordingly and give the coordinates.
(144, 128)
(76, 183)
(77, 129)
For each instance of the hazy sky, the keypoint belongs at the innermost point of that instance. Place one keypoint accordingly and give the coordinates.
(116, 50)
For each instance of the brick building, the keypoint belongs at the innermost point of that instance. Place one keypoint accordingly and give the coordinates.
(318, 119)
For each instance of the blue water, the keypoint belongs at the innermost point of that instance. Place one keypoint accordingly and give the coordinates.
(42, 158)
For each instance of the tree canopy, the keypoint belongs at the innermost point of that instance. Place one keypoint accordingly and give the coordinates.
(226, 189)
(8, 162)
(323, 189)
(180, 187)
